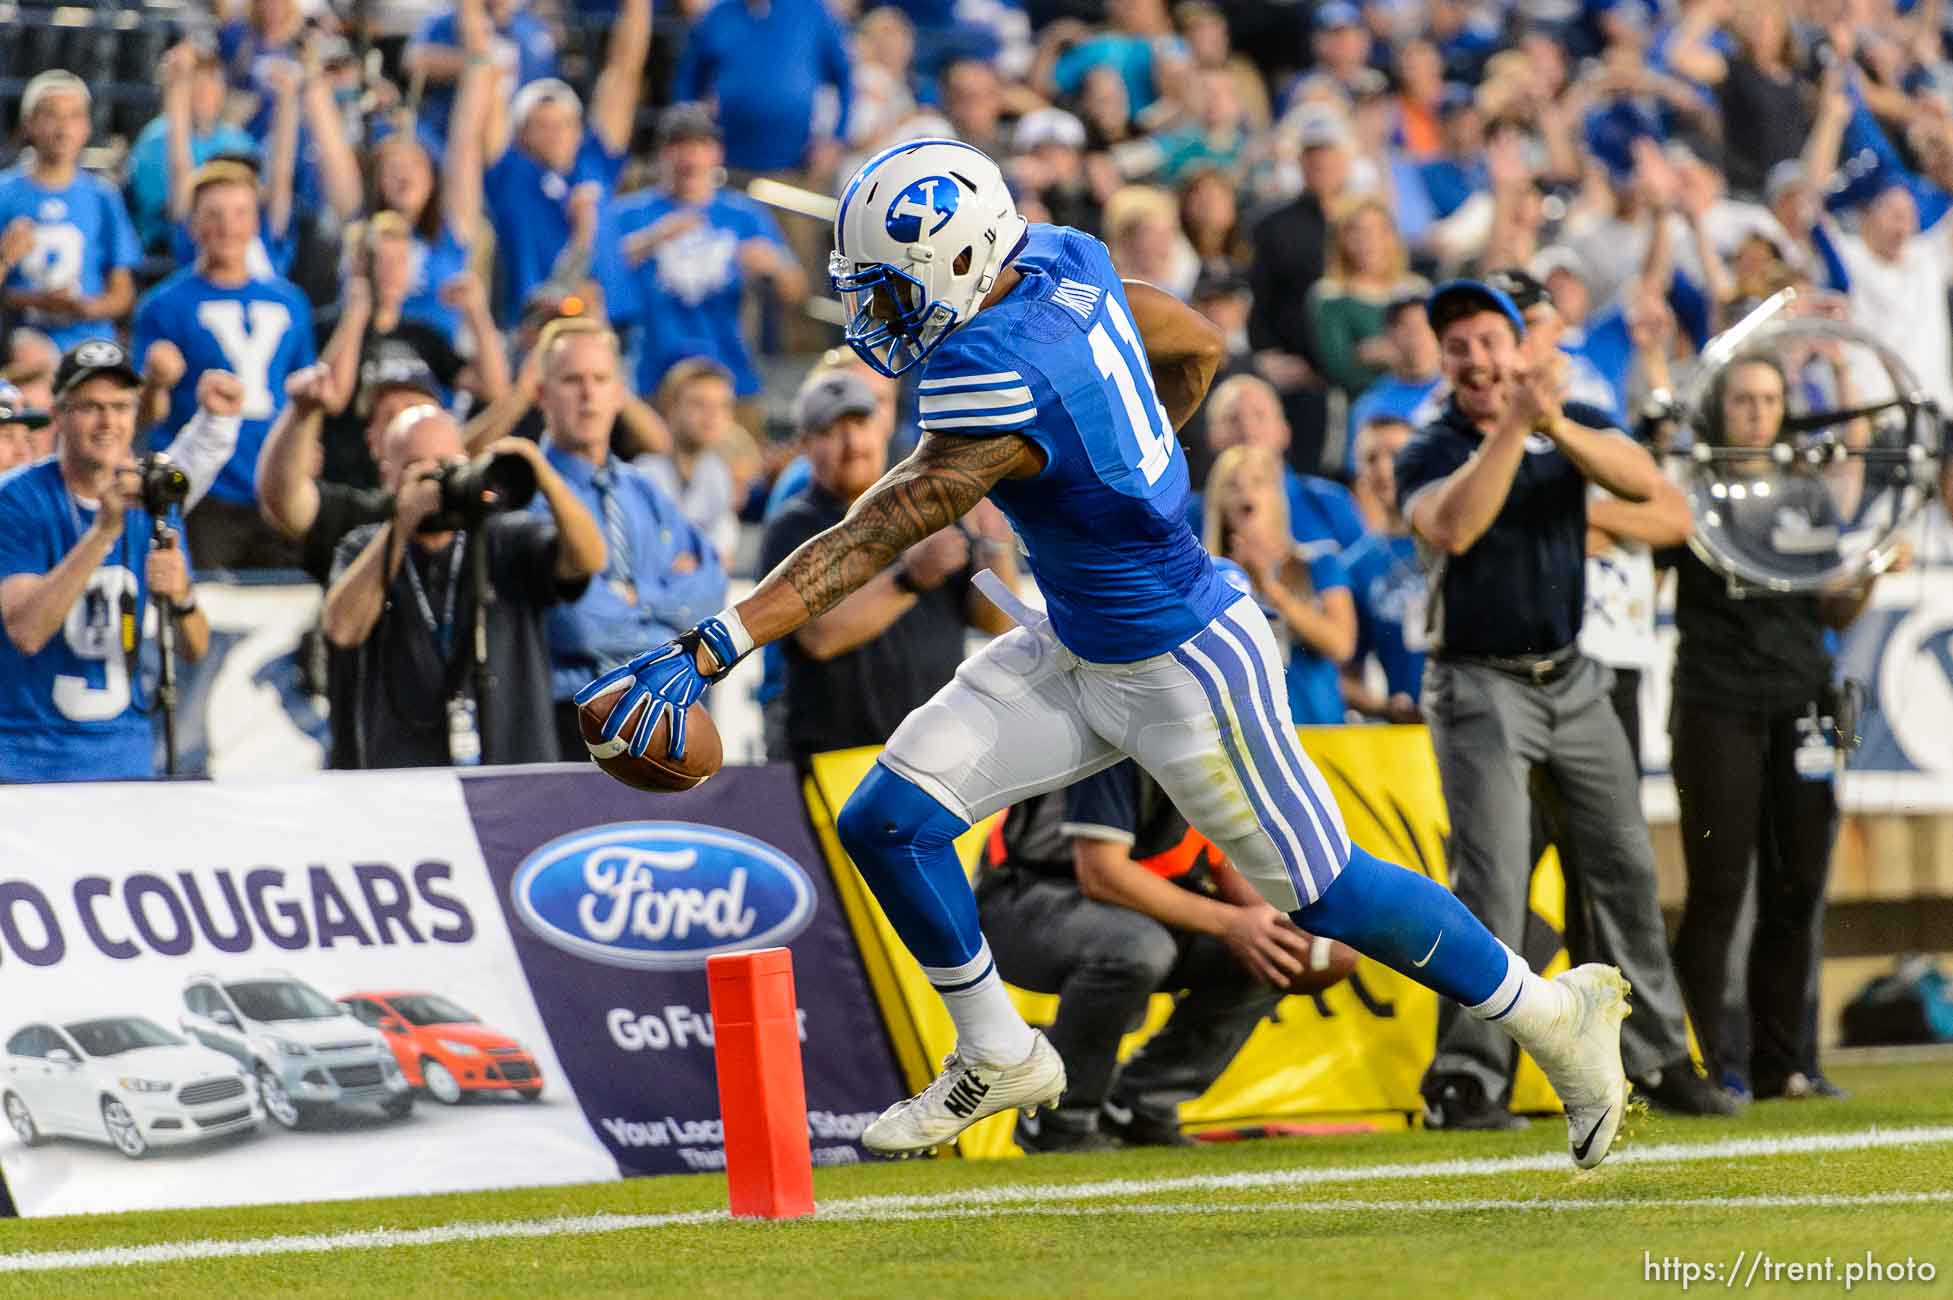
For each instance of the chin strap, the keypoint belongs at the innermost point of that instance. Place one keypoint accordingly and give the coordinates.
(1002, 253)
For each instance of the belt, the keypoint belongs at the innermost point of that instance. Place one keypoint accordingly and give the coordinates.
(1537, 669)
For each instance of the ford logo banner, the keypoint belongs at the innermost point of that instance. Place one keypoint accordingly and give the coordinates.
(661, 895)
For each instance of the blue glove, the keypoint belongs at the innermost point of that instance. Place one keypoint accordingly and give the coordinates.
(670, 678)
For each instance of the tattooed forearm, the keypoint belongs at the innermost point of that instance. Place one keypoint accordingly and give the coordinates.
(937, 485)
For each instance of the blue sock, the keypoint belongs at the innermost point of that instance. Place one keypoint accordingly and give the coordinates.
(903, 843)
(1413, 925)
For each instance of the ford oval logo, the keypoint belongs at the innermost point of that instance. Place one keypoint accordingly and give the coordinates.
(661, 895)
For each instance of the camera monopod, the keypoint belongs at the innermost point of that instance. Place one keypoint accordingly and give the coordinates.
(166, 648)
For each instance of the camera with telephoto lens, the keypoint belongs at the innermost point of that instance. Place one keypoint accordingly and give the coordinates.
(473, 490)
(164, 484)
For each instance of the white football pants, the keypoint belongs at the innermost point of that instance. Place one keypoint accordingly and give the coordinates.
(1209, 720)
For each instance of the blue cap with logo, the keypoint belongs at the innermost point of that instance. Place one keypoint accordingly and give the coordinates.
(1455, 299)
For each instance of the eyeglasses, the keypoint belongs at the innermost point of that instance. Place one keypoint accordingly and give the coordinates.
(91, 410)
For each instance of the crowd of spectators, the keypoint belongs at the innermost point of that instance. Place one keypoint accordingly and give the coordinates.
(498, 228)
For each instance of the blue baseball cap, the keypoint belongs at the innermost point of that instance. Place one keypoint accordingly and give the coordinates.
(1455, 299)
(1337, 13)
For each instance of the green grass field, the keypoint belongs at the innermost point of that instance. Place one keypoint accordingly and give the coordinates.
(1414, 1214)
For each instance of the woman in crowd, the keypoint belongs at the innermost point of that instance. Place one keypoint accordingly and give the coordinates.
(1303, 589)
(1367, 270)
(1753, 763)
(1142, 231)
(1210, 217)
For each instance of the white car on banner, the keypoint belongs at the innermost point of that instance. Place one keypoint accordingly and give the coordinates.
(122, 1080)
(307, 1054)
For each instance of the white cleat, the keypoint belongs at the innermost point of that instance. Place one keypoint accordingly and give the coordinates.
(1581, 1057)
(964, 1093)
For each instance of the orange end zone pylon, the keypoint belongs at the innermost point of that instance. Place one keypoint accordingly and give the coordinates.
(762, 1093)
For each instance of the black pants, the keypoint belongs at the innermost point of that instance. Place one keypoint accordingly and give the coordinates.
(1741, 796)
(1104, 962)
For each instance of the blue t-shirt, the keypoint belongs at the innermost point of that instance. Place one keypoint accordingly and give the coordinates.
(1387, 584)
(1060, 363)
(762, 71)
(526, 204)
(1319, 510)
(1402, 398)
(1449, 183)
(435, 263)
(149, 171)
(683, 300)
(260, 331)
(1132, 57)
(524, 46)
(70, 711)
(82, 233)
(1315, 689)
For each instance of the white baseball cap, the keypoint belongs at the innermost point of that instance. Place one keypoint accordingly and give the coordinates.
(55, 81)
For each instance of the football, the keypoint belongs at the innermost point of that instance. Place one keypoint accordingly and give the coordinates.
(1329, 965)
(657, 770)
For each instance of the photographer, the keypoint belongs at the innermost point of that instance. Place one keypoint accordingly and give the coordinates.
(409, 596)
(1754, 753)
(81, 557)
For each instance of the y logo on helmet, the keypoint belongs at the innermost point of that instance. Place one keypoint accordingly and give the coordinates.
(930, 200)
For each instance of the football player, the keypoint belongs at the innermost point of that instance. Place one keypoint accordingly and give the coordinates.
(1056, 390)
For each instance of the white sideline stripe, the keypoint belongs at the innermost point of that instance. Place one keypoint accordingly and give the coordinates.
(1052, 1198)
(1428, 1205)
(1671, 1153)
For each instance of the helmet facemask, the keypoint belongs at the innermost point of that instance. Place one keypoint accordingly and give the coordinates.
(893, 321)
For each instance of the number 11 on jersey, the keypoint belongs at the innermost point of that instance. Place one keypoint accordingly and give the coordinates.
(1146, 418)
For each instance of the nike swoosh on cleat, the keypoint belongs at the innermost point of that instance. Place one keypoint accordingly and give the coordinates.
(1434, 947)
(1580, 1152)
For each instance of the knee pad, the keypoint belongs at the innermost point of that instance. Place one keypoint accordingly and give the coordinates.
(890, 812)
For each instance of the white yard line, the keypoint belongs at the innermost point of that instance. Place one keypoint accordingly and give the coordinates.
(1063, 1198)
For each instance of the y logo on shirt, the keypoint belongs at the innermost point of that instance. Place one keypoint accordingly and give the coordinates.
(248, 347)
(697, 264)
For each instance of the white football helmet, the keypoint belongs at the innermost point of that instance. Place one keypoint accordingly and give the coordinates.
(921, 233)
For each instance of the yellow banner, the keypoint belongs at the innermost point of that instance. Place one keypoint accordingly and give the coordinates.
(1355, 1053)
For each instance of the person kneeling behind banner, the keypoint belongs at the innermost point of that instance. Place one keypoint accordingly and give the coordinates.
(1077, 904)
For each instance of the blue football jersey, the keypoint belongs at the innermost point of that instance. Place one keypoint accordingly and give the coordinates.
(70, 712)
(82, 233)
(683, 300)
(260, 331)
(1059, 361)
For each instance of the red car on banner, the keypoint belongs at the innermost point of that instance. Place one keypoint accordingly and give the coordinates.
(444, 1049)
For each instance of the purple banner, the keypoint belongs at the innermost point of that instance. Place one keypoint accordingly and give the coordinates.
(615, 899)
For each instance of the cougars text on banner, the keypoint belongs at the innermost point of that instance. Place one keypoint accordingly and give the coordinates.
(231, 993)
(615, 900)
(1355, 1052)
